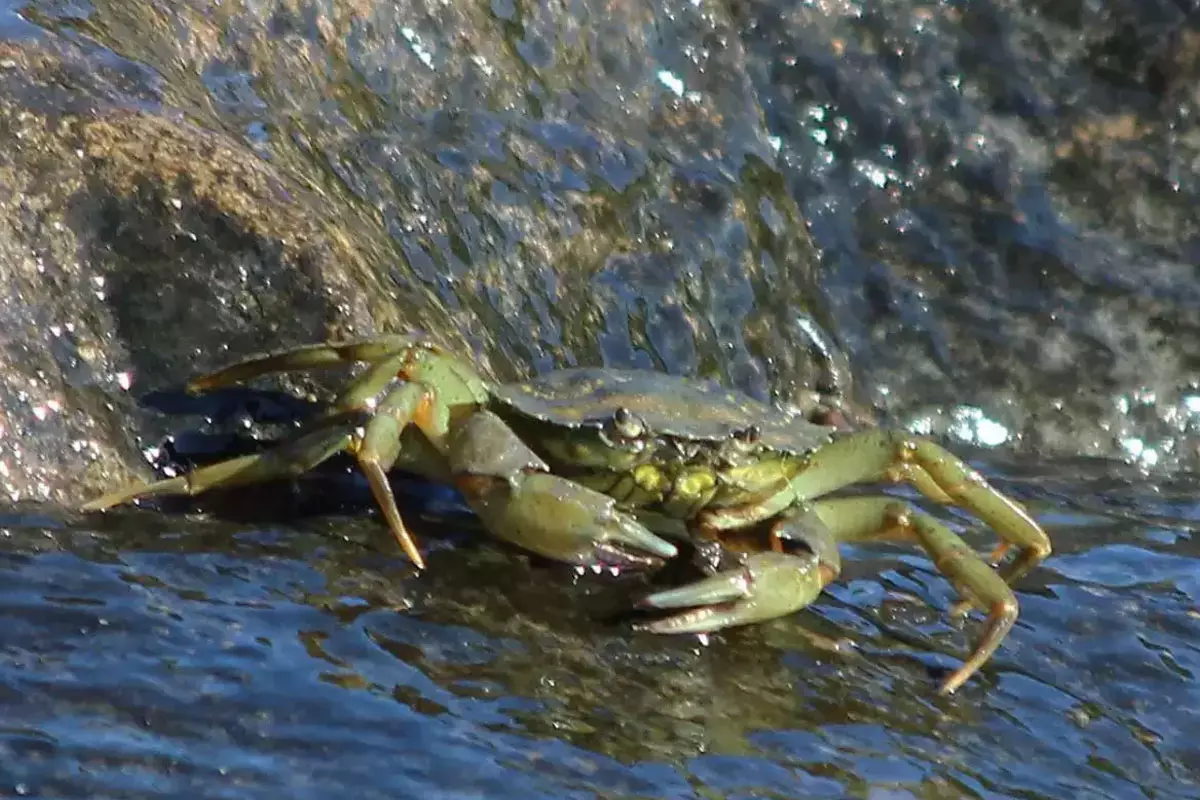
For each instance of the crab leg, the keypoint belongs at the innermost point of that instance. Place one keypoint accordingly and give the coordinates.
(378, 448)
(880, 518)
(406, 383)
(774, 584)
(938, 474)
(314, 356)
(289, 459)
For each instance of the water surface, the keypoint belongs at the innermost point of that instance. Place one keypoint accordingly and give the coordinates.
(157, 655)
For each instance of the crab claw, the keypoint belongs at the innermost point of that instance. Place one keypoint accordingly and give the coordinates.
(563, 520)
(766, 586)
(520, 501)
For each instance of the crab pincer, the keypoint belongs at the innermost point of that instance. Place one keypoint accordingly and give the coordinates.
(516, 497)
(765, 586)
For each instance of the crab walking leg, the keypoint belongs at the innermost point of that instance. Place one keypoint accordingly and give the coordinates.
(406, 383)
(289, 459)
(378, 448)
(874, 455)
(446, 386)
(864, 518)
(372, 437)
(437, 386)
(314, 356)
(773, 584)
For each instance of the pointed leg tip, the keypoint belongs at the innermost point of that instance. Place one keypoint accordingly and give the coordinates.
(104, 503)
(410, 549)
(955, 682)
(961, 609)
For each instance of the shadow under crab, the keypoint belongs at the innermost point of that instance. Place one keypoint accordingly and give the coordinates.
(597, 466)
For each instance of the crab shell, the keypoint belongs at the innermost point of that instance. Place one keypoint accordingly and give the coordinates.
(669, 445)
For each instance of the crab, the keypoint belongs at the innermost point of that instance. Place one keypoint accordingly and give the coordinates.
(598, 466)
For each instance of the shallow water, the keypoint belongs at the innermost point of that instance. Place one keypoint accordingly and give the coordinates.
(989, 207)
(156, 655)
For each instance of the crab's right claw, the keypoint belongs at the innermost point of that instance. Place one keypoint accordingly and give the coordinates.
(563, 520)
(766, 586)
(519, 500)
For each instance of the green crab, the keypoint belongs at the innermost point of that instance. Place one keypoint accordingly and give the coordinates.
(596, 466)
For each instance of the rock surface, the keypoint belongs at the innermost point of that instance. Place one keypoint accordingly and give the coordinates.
(761, 193)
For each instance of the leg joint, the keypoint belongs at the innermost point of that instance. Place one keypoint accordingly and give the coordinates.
(1006, 609)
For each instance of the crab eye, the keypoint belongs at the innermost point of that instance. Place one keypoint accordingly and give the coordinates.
(748, 435)
(626, 424)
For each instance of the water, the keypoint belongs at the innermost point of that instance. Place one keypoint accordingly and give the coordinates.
(986, 209)
(160, 655)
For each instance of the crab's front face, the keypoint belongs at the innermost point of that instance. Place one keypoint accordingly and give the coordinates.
(655, 442)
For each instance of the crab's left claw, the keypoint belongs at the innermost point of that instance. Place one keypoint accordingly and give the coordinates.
(766, 586)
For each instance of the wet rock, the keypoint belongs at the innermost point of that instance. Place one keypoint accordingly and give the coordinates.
(523, 244)
(1005, 199)
(138, 248)
(984, 213)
